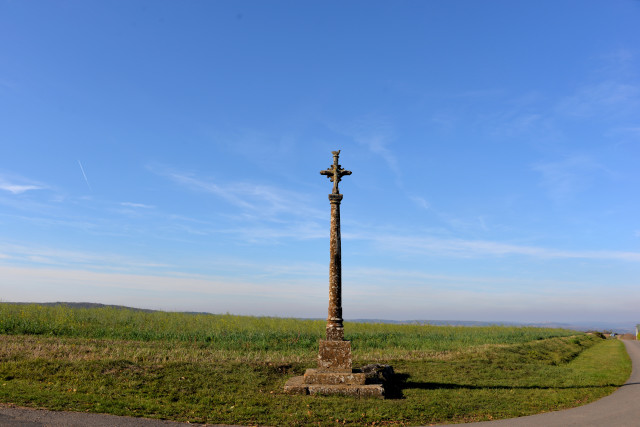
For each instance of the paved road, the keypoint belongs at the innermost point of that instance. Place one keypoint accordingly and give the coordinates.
(620, 409)
(25, 417)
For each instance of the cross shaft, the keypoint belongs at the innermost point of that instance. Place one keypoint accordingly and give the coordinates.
(335, 329)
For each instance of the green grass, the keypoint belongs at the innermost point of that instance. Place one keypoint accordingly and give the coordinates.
(231, 369)
(251, 334)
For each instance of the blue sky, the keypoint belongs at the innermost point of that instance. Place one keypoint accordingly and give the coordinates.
(167, 155)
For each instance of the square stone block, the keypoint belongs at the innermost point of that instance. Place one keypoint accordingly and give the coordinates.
(314, 376)
(373, 390)
(335, 356)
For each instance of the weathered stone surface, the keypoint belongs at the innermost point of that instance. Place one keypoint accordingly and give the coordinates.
(334, 356)
(296, 385)
(315, 376)
(376, 373)
(373, 390)
(335, 328)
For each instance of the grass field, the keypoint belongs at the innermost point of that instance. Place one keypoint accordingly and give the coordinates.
(231, 369)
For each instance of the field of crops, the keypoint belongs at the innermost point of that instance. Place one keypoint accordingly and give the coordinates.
(231, 369)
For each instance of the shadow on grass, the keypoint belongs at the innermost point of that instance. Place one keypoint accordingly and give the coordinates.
(395, 388)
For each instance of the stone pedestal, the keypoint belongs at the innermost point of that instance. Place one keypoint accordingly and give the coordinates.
(365, 382)
(334, 356)
(335, 375)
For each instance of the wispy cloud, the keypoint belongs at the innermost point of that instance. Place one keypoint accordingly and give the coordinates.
(18, 185)
(520, 116)
(613, 93)
(57, 257)
(259, 147)
(293, 230)
(607, 98)
(625, 134)
(465, 248)
(136, 205)
(17, 188)
(373, 133)
(255, 200)
(569, 176)
(420, 202)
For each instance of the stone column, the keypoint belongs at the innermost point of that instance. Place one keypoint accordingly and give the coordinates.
(335, 329)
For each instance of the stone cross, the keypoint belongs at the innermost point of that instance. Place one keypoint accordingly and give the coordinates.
(335, 172)
(335, 374)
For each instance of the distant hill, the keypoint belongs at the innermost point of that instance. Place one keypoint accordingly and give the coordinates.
(83, 305)
(94, 305)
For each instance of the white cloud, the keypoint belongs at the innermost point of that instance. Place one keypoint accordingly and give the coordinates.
(571, 175)
(18, 188)
(295, 230)
(420, 202)
(461, 248)
(137, 205)
(255, 200)
(17, 185)
(625, 131)
(20, 254)
(260, 147)
(375, 134)
(607, 98)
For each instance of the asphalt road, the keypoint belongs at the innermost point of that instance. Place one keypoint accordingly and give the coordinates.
(620, 409)
(25, 417)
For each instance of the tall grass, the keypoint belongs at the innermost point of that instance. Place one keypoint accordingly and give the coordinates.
(231, 332)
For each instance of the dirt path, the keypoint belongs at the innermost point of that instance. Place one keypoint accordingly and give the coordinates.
(620, 409)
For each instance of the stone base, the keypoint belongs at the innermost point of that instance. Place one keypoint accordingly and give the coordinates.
(334, 356)
(367, 382)
(296, 385)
